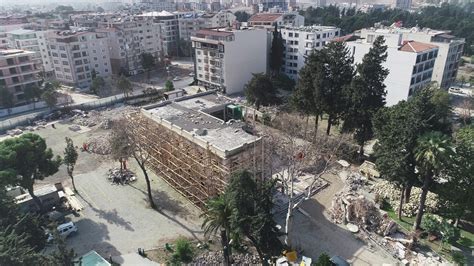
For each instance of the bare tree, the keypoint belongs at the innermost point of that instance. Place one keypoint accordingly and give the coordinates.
(465, 109)
(127, 142)
(291, 157)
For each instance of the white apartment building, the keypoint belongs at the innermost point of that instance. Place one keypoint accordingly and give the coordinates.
(190, 23)
(410, 63)
(450, 49)
(18, 71)
(159, 5)
(268, 20)
(226, 58)
(75, 54)
(34, 41)
(300, 42)
(169, 30)
(128, 38)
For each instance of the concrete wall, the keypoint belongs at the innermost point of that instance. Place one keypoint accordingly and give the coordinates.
(245, 55)
(400, 65)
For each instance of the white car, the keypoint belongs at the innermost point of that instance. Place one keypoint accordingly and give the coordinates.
(64, 230)
(176, 78)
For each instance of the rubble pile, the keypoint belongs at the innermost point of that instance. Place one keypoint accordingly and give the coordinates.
(121, 176)
(103, 118)
(217, 258)
(392, 195)
(349, 207)
(100, 144)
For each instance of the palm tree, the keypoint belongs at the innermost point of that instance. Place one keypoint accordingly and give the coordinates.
(217, 220)
(433, 151)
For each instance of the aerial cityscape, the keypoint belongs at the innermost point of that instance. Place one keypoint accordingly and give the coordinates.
(236, 132)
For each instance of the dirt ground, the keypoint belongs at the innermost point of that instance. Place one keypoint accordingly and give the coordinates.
(317, 234)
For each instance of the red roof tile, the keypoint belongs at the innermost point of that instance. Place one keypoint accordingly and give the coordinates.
(213, 33)
(416, 47)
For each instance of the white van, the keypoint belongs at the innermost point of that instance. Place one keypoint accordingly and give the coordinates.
(64, 230)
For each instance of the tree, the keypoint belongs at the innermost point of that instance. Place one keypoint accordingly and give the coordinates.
(242, 16)
(50, 96)
(366, 94)
(6, 98)
(32, 93)
(169, 86)
(184, 252)
(276, 52)
(127, 142)
(252, 217)
(124, 85)
(260, 91)
(148, 62)
(335, 74)
(97, 84)
(62, 256)
(14, 249)
(25, 159)
(432, 153)
(70, 158)
(185, 48)
(217, 221)
(324, 260)
(100, 9)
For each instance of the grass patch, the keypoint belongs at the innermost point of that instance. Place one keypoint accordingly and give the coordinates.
(406, 224)
(466, 239)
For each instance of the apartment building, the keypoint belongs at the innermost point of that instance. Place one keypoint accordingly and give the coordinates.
(190, 23)
(159, 5)
(402, 4)
(18, 71)
(169, 30)
(300, 42)
(75, 54)
(34, 41)
(411, 64)
(450, 49)
(128, 38)
(226, 58)
(268, 20)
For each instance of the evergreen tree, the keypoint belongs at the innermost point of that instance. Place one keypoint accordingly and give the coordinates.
(260, 91)
(276, 53)
(366, 94)
(332, 77)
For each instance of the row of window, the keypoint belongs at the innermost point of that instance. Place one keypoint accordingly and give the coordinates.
(426, 56)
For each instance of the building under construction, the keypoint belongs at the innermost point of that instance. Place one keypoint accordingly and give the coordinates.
(196, 142)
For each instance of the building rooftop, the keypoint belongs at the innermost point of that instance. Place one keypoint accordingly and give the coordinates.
(14, 52)
(163, 13)
(193, 114)
(214, 32)
(416, 47)
(265, 17)
(21, 31)
(313, 28)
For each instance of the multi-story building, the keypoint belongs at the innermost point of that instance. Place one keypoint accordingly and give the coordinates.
(75, 54)
(190, 23)
(226, 58)
(300, 42)
(268, 20)
(128, 38)
(402, 4)
(34, 41)
(159, 5)
(450, 49)
(410, 63)
(169, 30)
(18, 71)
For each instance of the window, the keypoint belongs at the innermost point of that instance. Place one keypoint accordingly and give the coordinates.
(67, 70)
(370, 38)
(63, 55)
(65, 63)
(297, 35)
(418, 58)
(84, 53)
(55, 54)
(290, 34)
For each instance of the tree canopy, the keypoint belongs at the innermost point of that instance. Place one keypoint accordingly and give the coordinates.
(260, 90)
(459, 20)
(242, 16)
(276, 52)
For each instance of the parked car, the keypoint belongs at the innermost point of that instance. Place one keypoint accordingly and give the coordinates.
(338, 261)
(64, 230)
(176, 78)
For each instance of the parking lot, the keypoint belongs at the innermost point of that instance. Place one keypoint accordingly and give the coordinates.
(116, 218)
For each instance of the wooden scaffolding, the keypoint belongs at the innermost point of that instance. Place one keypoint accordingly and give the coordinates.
(197, 172)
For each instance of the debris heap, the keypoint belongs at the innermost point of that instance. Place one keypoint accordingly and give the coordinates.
(121, 176)
(100, 144)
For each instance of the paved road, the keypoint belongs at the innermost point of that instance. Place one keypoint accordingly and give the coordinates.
(117, 219)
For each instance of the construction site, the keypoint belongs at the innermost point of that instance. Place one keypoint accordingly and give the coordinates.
(197, 142)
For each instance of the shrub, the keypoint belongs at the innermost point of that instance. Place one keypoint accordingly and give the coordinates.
(183, 252)
(431, 224)
(266, 119)
(459, 258)
(324, 260)
(449, 232)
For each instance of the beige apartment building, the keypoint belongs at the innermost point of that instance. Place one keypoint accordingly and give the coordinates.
(18, 71)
